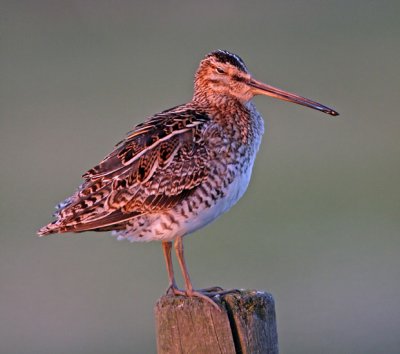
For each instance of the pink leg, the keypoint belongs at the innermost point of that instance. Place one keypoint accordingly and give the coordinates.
(166, 245)
(178, 244)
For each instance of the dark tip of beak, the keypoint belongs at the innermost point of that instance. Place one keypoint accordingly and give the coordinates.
(260, 88)
(325, 110)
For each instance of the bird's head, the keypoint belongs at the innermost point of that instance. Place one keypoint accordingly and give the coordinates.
(223, 75)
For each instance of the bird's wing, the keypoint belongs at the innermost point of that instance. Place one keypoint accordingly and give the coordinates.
(158, 164)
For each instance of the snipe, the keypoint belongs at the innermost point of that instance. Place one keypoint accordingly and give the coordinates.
(181, 168)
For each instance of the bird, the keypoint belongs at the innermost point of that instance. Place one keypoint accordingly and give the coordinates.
(180, 169)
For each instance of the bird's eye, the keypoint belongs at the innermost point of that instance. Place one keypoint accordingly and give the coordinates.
(220, 71)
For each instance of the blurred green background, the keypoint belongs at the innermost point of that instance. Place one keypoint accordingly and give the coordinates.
(319, 227)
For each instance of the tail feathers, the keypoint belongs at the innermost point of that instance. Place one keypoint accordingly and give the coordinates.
(88, 209)
(51, 228)
(113, 221)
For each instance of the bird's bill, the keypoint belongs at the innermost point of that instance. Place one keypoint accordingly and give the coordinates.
(260, 88)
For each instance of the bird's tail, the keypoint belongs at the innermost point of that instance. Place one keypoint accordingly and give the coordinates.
(51, 228)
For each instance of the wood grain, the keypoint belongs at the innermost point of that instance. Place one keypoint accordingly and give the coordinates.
(245, 324)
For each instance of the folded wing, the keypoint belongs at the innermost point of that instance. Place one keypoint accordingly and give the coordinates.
(158, 164)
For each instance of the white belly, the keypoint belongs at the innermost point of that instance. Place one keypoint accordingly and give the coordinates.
(232, 194)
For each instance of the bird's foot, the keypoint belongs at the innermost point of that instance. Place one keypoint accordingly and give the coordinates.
(217, 291)
(211, 289)
(207, 296)
(174, 290)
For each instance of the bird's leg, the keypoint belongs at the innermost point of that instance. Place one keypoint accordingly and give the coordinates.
(172, 287)
(178, 244)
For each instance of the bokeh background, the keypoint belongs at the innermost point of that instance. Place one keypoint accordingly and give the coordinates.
(319, 227)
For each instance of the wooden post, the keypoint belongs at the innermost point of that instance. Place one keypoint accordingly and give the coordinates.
(246, 324)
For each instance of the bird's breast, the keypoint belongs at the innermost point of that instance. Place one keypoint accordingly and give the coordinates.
(209, 202)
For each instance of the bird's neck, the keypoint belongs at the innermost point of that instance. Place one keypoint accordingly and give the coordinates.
(217, 101)
(240, 120)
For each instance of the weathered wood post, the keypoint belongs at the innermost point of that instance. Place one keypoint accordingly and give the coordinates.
(246, 324)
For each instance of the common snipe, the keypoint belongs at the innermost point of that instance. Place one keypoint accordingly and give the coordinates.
(181, 168)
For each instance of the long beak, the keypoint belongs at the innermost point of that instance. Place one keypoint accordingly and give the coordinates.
(260, 88)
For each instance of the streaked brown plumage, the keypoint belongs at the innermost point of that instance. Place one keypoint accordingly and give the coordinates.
(181, 168)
